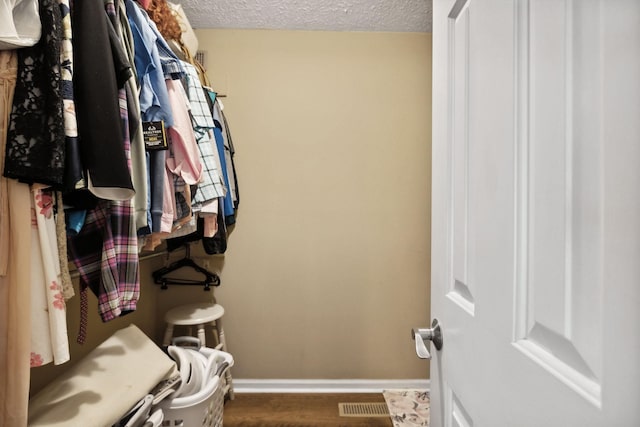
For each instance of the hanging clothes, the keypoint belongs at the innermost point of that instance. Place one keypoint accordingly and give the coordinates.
(61, 237)
(105, 252)
(36, 142)
(231, 152)
(49, 341)
(214, 237)
(183, 166)
(97, 74)
(96, 61)
(211, 186)
(15, 231)
(154, 105)
(185, 157)
(35, 151)
(73, 170)
(105, 248)
(139, 172)
(224, 154)
(183, 161)
(154, 100)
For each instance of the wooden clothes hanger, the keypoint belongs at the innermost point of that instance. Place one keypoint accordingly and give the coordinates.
(160, 276)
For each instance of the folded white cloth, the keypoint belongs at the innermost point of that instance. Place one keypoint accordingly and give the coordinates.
(104, 385)
(19, 23)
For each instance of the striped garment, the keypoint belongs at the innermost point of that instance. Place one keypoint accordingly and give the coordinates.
(211, 186)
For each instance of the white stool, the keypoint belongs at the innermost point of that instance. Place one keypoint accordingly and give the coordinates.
(199, 315)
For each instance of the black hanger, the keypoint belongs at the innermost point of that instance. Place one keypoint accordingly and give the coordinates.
(211, 279)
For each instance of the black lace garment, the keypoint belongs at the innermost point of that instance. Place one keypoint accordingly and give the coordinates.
(35, 139)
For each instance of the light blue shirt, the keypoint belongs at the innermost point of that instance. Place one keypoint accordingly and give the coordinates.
(154, 99)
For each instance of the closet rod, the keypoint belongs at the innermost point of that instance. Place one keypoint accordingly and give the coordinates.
(74, 274)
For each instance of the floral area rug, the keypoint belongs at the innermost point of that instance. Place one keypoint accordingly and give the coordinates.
(408, 407)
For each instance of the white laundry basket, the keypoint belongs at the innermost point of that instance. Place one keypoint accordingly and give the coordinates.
(205, 407)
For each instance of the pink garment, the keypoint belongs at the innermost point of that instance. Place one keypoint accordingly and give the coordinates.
(183, 158)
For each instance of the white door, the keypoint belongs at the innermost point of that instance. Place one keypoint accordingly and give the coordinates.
(536, 213)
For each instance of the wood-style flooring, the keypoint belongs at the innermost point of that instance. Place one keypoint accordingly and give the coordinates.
(298, 410)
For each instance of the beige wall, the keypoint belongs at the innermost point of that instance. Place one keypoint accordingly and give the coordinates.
(328, 267)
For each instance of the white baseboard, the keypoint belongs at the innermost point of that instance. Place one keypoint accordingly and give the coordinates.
(325, 386)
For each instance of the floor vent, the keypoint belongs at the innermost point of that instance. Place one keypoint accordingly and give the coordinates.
(363, 409)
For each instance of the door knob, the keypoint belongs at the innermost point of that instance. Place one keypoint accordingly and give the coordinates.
(420, 335)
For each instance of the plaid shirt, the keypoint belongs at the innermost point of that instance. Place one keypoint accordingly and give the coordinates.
(105, 252)
(211, 186)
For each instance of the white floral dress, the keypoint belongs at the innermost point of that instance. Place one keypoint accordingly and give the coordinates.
(49, 340)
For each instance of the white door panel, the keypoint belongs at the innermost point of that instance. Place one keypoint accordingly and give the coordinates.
(558, 311)
(536, 221)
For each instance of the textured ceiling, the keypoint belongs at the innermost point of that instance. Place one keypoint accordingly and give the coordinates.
(323, 15)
